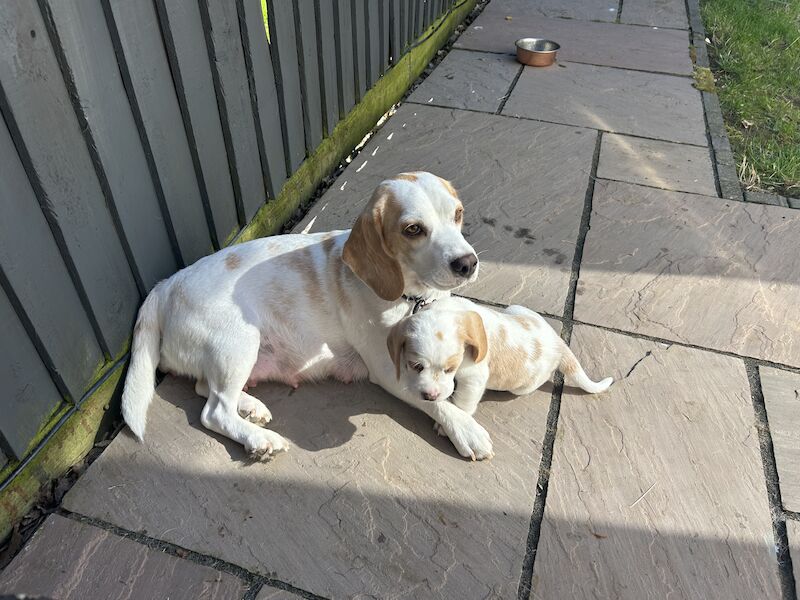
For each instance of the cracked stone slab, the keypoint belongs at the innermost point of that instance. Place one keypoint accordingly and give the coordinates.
(271, 593)
(522, 183)
(607, 44)
(369, 500)
(656, 488)
(587, 10)
(793, 530)
(645, 104)
(782, 398)
(699, 270)
(659, 13)
(472, 80)
(68, 559)
(659, 164)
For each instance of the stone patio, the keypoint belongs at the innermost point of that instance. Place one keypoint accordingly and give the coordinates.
(591, 196)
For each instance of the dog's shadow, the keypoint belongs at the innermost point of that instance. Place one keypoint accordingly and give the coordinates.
(326, 415)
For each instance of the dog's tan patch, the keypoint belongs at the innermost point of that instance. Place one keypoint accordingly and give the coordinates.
(406, 177)
(439, 335)
(507, 364)
(536, 351)
(232, 261)
(449, 187)
(569, 364)
(302, 262)
(453, 362)
(338, 274)
(524, 322)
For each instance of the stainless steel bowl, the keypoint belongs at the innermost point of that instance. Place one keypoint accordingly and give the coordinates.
(536, 52)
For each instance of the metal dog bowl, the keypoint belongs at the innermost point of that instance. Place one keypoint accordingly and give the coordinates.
(536, 52)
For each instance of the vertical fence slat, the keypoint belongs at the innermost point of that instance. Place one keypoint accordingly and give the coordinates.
(283, 43)
(265, 93)
(345, 59)
(327, 41)
(29, 395)
(395, 31)
(226, 55)
(373, 30)
(360, 46)
(140, 51)
(306, 24)
(185, 43)
(100, 96)
(36, 272)
(385, 11)
(41, 118)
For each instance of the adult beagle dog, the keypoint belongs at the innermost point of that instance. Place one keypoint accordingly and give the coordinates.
(294, 308)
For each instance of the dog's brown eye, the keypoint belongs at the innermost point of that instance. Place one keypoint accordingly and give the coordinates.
(416, 367)
(450, 370)
(412, 230)
(459, 214)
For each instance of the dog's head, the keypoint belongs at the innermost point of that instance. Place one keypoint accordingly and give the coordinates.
(428, 348)
(408, 238)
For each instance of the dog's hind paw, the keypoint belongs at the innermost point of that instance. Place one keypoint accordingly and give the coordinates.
(253, 410)
(264, 444)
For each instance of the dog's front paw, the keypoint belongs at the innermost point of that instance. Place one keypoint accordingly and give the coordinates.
(439, 429)
(253, 410)
(264, 443)
(471, 439)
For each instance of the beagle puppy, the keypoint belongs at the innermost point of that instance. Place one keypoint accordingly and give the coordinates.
(513, 350)
(296, 308)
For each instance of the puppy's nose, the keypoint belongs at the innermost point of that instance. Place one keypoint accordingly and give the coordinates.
(464, 266)
(430, 396)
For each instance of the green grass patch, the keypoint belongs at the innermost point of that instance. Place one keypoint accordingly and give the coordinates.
(755, 54)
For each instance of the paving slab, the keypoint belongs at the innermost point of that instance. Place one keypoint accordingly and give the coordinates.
(793, 530)
(270, 593)
(656, 488)
(704, 271)
(782, 398)
(659, 164)
(660, 13)
(589, 10)
(651, 105)
(369, 500)
(608, 44)
(473, 80)
(70, 560)
(522, 183)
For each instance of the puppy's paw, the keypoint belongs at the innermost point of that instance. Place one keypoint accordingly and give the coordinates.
(439, 429)
(264, 443)
(471, 440)
(253, 410)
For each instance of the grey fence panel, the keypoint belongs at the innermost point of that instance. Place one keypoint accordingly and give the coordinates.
(345, 55)
(327, 65)
(29, 395)
(373, 27)
(360, 46)
(385, 11)
(33, 267)
(310, 91)
(283, 43)
(185, 44)
(40, 117)
(100, 97)
(233, 97)
(264, 93)
(395, 31)
(142, 57)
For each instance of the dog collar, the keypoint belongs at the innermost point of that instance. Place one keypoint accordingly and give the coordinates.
(419, 302)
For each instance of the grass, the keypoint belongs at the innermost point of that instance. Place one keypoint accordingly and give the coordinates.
(755, 53)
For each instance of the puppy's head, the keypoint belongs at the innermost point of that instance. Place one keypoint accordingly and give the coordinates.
(428, 348)
(408, 238)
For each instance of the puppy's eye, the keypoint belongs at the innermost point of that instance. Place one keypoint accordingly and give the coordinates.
(413, 230)
(459, 214)
(449, 369)
(416, 367)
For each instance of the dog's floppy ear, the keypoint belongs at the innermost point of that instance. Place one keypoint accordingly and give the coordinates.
(366, 254)
(474, 335)
(396, 343)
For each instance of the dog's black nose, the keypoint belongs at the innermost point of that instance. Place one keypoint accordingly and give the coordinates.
(465, 265)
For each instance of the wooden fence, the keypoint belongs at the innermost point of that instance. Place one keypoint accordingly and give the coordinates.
(139, 135)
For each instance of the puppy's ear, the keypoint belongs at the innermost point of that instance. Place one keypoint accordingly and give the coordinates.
(396, 343)
(474, 335)
(366, 253)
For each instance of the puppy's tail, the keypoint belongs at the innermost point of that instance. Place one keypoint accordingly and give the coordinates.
(575, 375)
(145, 352)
